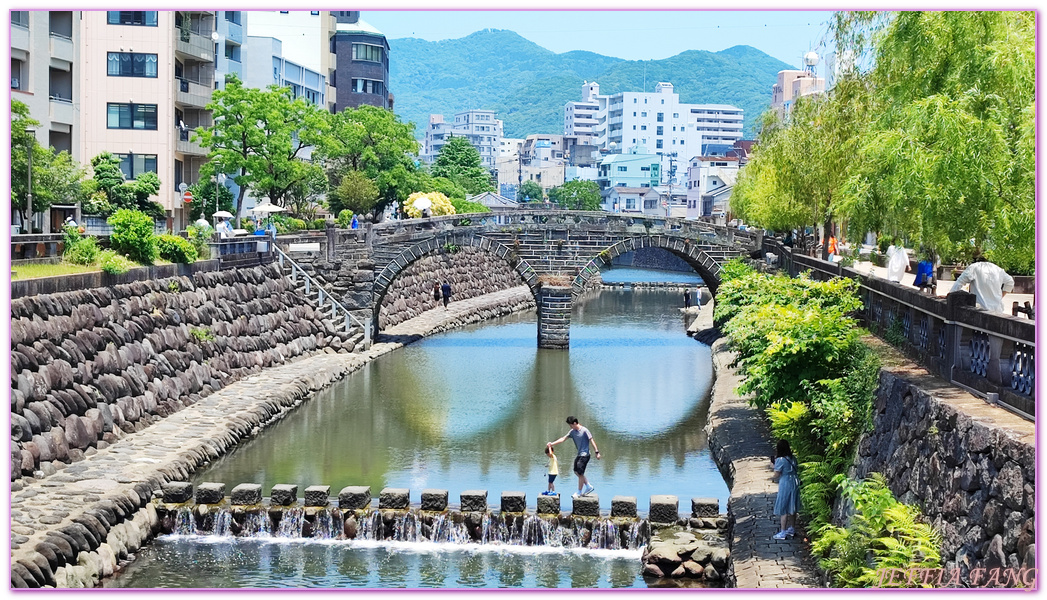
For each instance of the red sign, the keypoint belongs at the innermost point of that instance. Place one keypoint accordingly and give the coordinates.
(188, 196)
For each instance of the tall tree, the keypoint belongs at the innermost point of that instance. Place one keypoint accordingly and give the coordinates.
(355, 192)
(577, 195)
(372, 141)
(529, 191)
(56, 176)
(460, 162)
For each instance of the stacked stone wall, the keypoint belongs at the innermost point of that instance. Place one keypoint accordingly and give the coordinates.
(470, 271)
(90, 366)
(971, 474)
(653, 258)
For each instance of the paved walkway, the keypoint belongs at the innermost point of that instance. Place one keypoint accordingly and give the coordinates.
(172, 448)
(944, 287)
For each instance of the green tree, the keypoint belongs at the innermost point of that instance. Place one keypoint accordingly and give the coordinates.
(372, 141)
(304, 198)
(203, 204)
(460, 162)
(577, 195)
(355, 192)
(530, 191)
(108, 179)
(56, 176)
(133, 235)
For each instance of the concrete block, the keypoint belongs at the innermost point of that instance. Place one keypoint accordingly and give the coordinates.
(283, 494)
(664, 509)
(514, 502)
(246, 493)
(394, 498)
(474, 501)
(586, 506)
(317, 495)
(705, 507)
(210, 493)
(176, 492)
(435, 500)
(623, 506)
(549, 505)
(354, 498)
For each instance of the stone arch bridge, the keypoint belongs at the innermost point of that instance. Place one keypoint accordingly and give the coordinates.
(554, 252)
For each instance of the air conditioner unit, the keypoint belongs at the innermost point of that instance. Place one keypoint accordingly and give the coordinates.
(14, 83)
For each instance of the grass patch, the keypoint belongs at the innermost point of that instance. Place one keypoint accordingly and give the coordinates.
(34, 271)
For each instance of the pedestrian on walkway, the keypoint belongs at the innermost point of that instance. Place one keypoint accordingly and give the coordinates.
(988, 284)
(925, 280)
(582, 438)
(897, 263)
(686, 298)
(554, 470)
(445, 289)
(787, 504)
(436, 292)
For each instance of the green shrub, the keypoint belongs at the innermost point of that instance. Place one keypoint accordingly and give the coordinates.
(202, 334)
(345, 218)
(318, 224)
(465, 206)
(176, 249)
(200, 237)
(114, 264)
(735, 268)
(82, 252)
(97, 203)
(133, 235)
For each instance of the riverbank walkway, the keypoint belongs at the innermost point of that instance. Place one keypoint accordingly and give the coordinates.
(741, 444)
(172, 448)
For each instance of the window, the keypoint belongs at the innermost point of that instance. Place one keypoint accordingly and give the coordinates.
(368, 86)
(20, 18)
(661, 117)
(131, 116)
(634, 113)
(233, 16)
(367, 52)
(314, 13)
(676, 115)
(659, 130)
(623, 169)
(634, 100)
(645, 100)
(643, 114)
(663, 101)
(146, 18)
(658, 144)
(643, 128)
(634, 127)
(131, 64)
(135, 164)
(645, 168)
(630, 204)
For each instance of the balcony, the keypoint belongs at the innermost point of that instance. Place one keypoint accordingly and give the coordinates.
(185, 146)
(194, 46)
(61, 47)
(192, 93)
(61, 110)
(20, 37)
(235, 32)
(615, 121)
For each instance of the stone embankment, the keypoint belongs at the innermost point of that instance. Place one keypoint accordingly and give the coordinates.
(91, 366)
(71, 528)
(969, 466)
(691, 548)
(470, 271)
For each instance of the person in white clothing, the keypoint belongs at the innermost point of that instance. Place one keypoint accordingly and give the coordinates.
(988, 284)
(224, 229)
(897, 263)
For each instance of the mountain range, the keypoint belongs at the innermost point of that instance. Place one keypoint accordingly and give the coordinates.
(528, 85)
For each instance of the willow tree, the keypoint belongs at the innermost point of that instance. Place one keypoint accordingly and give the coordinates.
(948, 156)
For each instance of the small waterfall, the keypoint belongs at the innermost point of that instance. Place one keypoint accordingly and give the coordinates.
(405, 527)
(223, 522)
(258, 524)
(327, 524)
(291, 523)
(639, 534)
(446, 531)
(605, 535)
(371, 526)
(185, 523)
(494, 530)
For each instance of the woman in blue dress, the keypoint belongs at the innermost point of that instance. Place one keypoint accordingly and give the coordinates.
(788, 502)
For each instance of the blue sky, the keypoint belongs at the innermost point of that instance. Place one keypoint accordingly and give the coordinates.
(629, 34)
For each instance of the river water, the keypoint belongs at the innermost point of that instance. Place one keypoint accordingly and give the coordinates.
(472, 409)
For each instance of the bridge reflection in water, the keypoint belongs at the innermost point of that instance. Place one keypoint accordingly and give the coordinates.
(472, 409)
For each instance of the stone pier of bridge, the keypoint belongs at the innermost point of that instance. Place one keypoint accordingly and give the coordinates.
(554, 316)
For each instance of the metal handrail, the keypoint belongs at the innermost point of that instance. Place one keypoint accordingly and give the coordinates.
(323, 295)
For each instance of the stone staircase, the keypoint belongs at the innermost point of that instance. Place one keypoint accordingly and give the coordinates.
(357, 334)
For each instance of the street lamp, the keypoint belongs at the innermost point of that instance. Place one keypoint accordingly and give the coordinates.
(220, 180)
(27, 225)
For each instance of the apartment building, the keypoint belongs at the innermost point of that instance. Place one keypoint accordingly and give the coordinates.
(308, 38)
(45, 75)
(480, 127)
(145, 80)
(229, 51)
(633, 169)
(362, 73)
(656, 120)
(710, 178)
(266, 65)
(793, 84)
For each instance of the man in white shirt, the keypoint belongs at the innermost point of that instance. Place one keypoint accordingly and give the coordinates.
(988, 284)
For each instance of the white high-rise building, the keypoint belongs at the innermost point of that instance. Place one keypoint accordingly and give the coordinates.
(655, 120)
(480, 127)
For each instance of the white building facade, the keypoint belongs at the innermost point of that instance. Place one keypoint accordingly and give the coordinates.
(479, 127)
(229, 45)
(709, 181)
(656, 120)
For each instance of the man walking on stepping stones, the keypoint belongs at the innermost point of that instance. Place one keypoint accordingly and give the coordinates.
(582, 438)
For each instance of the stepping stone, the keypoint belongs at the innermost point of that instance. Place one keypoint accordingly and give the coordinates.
(586, 506)
(246, 494)
(283, 494)
(514, 502)
(474, 501)
(210, 493)
(705, 507)
(623, 506)
(434, 500)
(394, 498)
(177, 492)
(549, 505)
(664, 509)
(354, 498)
(317, 495)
